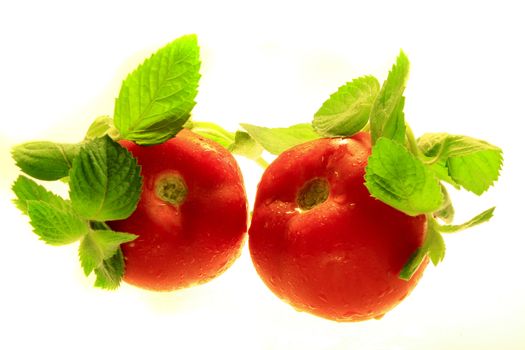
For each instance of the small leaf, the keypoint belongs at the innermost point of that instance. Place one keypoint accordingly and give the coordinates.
(478, 219)
(471, 163)
(105, 182)
(110, 272)
(389, 98)
(100, 245)
(436, 246)
(396, 177)
(26, 189)
(278, 140)
(45, 160)
(244, 145)
(213, 132)
(156, 99)
(102, 126)
(347, 110)
(55, 226)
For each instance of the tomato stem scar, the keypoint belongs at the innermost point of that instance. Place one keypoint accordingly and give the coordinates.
(171, 189)
(313, 193)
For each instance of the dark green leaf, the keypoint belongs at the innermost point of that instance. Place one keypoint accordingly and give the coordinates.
(110, 272)
(105, 182)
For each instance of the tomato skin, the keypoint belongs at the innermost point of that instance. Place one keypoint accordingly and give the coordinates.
(341, 259)
(182, 245)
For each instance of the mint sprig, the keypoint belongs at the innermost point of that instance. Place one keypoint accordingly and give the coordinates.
(154, 102)
(402, 171)
(105, 185)
(156, 99)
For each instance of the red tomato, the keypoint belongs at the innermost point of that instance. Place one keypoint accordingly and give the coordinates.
(320, 241)
(191, 217)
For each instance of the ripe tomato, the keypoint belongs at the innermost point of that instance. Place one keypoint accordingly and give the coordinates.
(191, 217)
(320, 241)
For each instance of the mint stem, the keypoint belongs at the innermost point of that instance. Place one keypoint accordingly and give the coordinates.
(412, 144)
(262, 163)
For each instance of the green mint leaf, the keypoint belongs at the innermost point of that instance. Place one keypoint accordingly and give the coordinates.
(110, 272)
(347, 110)
(156, 99)
(470, 163)
(395, 127)
(478, 219)
(277, 140)
(446, 212)
(26, 190)
(100, 245)
(397, 178)
(244, 145)
(105, 181)
(45, 160)
(55, 226)
(101, 126)
(433, 246)
(213, 132)
(389, 98)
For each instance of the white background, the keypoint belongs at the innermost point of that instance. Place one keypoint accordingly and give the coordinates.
(270, 64)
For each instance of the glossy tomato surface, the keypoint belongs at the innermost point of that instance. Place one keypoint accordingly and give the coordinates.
(199, 230)
(341, 258)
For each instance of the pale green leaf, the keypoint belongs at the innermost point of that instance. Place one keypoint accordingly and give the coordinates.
(278, 140)
(396, 177)
(347, 110)
(471, 163)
